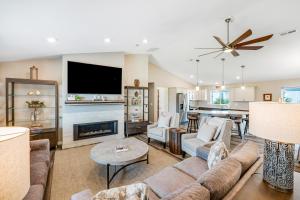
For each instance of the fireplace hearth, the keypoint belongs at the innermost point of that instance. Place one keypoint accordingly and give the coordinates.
(95, 129)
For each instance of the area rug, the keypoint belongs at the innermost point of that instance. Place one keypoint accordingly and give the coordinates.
(74, 171)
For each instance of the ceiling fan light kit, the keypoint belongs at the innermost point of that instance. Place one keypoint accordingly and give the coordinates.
(237, 44)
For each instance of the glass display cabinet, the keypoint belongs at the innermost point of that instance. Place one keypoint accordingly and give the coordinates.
(33, 104)
(136, 110)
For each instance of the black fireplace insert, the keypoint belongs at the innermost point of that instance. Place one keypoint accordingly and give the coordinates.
(95, 129)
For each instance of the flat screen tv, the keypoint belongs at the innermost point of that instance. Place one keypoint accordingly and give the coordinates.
(93, 79)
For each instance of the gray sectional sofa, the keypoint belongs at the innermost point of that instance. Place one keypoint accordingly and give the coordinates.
(40, 163)
(191, 178)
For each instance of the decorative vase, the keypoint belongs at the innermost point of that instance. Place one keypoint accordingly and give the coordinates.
(136, 83)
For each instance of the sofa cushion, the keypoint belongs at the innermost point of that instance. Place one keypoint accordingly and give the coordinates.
(246, 153)
(193, 191)
(206, 132)
(167, 181)
(85, 194)
(192, 166)
(221, 178)
(217, 152)
(38, 174)
(40, 156)
(36, 192)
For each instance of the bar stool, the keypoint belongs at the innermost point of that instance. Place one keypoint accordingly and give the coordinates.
(193, 123)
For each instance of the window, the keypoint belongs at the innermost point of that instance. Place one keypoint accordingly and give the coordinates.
(220, 97)
(290, 95)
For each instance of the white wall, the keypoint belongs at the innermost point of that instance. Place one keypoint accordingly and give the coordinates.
(162, 78)
(162, 81)
(136, 67)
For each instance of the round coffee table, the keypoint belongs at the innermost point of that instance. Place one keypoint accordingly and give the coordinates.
(105, 154)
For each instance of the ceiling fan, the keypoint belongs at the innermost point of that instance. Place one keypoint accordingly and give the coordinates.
(237, 44)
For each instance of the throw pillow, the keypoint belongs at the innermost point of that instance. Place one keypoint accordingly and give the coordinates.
(206, 132)
(217, 152)
(164, 120)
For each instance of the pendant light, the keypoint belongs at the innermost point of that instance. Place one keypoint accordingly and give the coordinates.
(243, 87)
(223, 73)
(197, 84)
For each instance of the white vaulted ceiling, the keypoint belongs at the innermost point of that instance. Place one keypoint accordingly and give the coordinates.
(175, 27)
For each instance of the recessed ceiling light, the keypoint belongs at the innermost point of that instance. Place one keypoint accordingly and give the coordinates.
(238, 77)
(145, 41)
(191, 76)
(107, 40)
(217, 83)
(51, 39)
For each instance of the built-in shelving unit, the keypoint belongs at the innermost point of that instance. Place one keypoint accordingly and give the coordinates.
(18, 91)
(136, 110)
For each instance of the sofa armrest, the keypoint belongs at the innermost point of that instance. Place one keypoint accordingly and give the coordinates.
(188, 136)
(40, 145)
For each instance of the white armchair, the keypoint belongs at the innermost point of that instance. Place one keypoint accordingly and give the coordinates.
(161, 133)
(193, 146)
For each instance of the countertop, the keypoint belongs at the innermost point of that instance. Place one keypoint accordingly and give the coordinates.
(220, 112)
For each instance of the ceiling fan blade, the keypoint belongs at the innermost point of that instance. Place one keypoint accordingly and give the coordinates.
(234, 53)
(220, 41)
(249, 47)
(219, 54)
(257, 40)
(208, 48)
(210, 53)
(241, 38)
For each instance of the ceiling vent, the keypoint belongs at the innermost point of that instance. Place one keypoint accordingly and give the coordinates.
(152, 49)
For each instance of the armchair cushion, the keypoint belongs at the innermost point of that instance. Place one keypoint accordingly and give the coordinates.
(206, 132)
(192, 144)
(164, 120)
(157, 131)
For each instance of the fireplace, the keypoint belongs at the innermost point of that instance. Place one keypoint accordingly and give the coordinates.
(95, 129)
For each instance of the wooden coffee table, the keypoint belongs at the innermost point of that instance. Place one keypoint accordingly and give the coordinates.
(105, 154)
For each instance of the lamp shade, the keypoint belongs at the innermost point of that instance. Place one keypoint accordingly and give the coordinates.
(14, 163)
(275, 121)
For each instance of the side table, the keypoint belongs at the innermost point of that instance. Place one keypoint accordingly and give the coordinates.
(255, 188)
(175, 140)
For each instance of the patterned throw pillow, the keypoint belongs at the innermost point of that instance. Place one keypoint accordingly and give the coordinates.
(217, 152)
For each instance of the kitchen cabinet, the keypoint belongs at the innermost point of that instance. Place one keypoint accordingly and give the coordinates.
(200, 95)
(247, 94)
